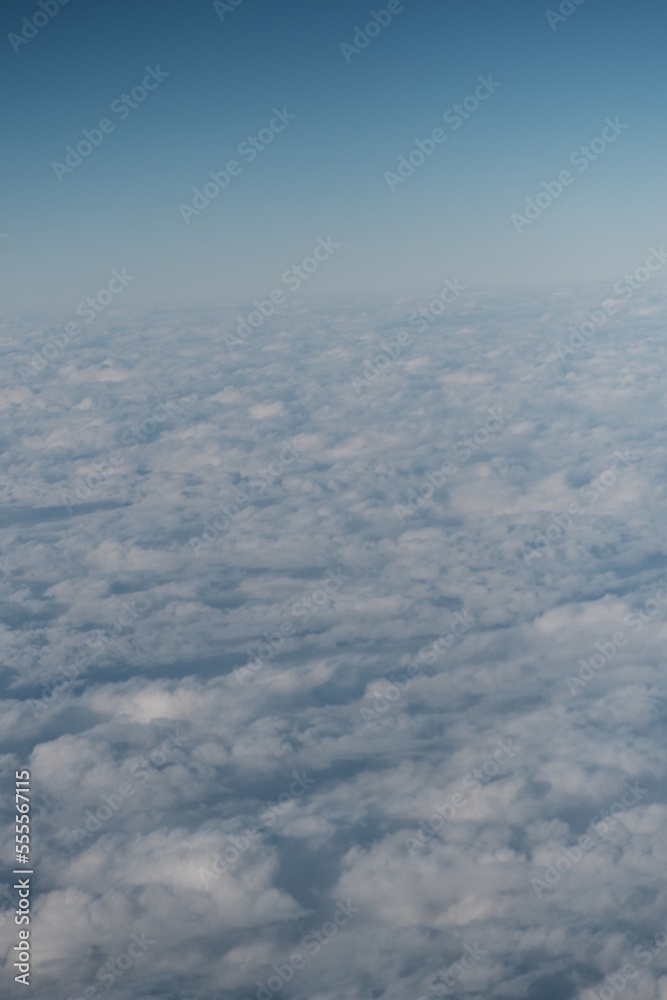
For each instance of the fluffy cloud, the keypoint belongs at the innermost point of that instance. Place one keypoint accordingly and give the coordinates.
(177, 510)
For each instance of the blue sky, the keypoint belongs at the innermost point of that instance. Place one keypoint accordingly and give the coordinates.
(325, 174)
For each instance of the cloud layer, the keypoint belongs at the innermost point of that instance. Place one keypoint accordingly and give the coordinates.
(329, 555)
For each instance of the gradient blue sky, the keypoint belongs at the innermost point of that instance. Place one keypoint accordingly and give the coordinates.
(324, 175)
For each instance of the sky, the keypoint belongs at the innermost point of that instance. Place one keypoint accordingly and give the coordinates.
(333, 556)
(355, 113)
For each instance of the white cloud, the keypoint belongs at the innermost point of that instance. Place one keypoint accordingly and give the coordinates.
(200, 616)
